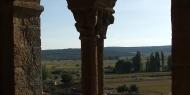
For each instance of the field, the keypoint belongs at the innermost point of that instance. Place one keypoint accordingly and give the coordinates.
(154, 82)
(147, 82)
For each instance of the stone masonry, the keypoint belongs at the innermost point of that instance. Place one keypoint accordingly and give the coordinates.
(27, 47)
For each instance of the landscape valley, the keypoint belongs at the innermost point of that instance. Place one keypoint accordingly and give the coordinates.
(61, 71)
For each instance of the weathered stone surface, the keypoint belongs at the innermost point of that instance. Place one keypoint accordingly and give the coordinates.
(27, 47)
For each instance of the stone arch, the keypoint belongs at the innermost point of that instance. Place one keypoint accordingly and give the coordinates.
(19, 48)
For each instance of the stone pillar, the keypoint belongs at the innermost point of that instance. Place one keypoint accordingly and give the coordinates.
(92, 25)
(27, 47)
(100, 50)
(89, 66)
(104, 19)
(85, 24)
(92, 19)
(180, 47)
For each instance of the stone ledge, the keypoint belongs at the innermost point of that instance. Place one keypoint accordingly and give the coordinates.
(22, 8)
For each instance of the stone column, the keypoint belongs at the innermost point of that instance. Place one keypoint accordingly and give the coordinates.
(100, 50)
(85, 24)
(92, 25)
(104, 19)
(27, 47)
(92, 19)
(180, 47)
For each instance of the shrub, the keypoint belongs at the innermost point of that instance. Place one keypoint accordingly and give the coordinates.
(133, 88)
(123, 66)
(122, 88)
(45, 72)
(66, 78)
(58, 71)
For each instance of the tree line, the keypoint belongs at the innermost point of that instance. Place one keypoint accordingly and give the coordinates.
(155, 62)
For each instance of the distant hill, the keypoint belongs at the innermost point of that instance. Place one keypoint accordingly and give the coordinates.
(109, 52)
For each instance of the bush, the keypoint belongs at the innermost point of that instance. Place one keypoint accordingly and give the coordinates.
(123, 66)
(133, 88)
(122, 88)
(58, 71)
(66, 78)
(45, 72)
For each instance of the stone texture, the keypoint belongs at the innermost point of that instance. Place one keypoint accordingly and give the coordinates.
(27, 47)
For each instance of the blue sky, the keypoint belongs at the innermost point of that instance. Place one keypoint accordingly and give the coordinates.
(137, 23)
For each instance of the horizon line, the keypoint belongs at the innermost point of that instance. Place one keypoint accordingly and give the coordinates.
(112, 46)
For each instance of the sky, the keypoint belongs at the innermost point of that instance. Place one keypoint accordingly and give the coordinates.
(137, 23)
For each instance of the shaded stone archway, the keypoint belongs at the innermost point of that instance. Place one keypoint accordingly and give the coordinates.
(20, 70)
(92, 19)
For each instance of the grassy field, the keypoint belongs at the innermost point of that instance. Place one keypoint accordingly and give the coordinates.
(156, 82)
(147, 82)
(71, 65)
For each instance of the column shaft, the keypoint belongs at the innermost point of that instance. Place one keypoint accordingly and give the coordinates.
(89, 66)
(100, 45)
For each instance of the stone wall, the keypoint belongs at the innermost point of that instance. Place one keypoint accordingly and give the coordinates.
(27, 47)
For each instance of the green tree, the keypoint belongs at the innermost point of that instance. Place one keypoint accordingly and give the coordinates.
(123, 66)
(45, 72)
(169, 63)
(123, 88)
(133, 88)
(66, 78)
(152, 66)
(57, 71)
(137, 62)
(148, 65)
(142, 65)
(157, 62)
(67, 82)
(77, 65)
(162, 61)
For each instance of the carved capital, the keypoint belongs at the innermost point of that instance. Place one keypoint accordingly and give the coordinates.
(93, 18)
(104, 19)
(85, 22)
